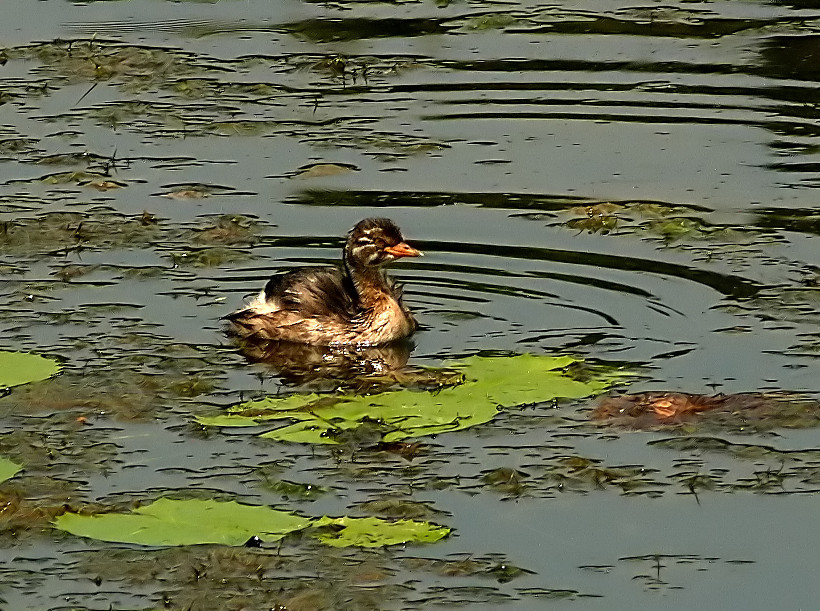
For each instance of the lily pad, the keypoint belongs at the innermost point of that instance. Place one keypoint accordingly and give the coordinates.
(168, 522)
(527, 378)
(489, 383)
(21, 368)
(8, 469)
(270, 407)
(375, 532)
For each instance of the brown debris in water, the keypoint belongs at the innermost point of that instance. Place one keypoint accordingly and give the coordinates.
(186, 194)
(646, 410)
(319, 170)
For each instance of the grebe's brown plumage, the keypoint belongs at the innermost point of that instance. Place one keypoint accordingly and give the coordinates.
(354, 304)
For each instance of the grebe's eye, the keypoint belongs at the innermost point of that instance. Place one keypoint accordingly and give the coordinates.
(380, 244)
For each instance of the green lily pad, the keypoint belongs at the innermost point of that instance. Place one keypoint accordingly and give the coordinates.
(227, 420)
(269, 407)
(527, 378)
(375, 532)
(8, 469)
(489, 383)
(21, 368)
(309, 432)
(168, 522)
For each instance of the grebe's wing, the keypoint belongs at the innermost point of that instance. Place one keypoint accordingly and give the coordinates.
(312, 291)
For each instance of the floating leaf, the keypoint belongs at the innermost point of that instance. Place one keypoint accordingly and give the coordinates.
(168, 522)
(227, 420)
(252, 413)
(269, 406)
(375, 532)
(527, 378)
(402, 413)
(21, 368)
(309, 432)
(186, 522)
(8, 469)
(489, 383)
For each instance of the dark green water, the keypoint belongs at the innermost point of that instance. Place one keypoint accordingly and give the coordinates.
(633, 184)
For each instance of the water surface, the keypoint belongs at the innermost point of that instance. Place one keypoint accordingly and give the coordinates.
(632, 184)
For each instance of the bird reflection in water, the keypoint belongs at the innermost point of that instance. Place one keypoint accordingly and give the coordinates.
(357, 368)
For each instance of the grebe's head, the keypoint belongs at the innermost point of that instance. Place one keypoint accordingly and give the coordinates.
(376, 241)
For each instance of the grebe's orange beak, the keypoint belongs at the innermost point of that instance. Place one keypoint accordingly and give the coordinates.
(403, 249)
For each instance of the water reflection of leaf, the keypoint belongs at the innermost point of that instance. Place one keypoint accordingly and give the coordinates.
(490, 383)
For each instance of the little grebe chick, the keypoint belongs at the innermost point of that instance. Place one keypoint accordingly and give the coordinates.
(356, 303)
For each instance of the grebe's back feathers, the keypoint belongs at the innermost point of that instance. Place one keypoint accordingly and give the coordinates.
(312, 291)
